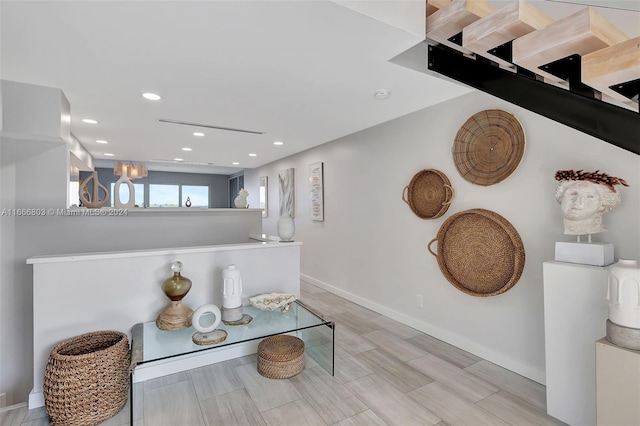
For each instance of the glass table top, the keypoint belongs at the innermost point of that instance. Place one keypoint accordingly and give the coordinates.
(149, 343)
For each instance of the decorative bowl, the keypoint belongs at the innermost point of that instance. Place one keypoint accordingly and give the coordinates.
(273, 301)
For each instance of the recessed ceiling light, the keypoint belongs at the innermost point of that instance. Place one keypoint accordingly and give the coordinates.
(253, 155)
(235, 163)
(89, 121)
(382, 94)
(101, 141)
(178, 159)
(151, 96)
(198, 134)
(108, 154)
(187, 149)
(278, 143)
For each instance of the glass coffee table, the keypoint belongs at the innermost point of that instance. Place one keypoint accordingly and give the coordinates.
(152, 346)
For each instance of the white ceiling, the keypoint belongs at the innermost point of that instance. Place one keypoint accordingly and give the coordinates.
(303, 72)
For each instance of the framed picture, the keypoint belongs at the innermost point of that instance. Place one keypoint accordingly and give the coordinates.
(264, 195)
(287, 192)
(316, 191)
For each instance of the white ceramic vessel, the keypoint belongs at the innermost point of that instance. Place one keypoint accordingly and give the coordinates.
(286, 228)
(231, 287)
(624, 293)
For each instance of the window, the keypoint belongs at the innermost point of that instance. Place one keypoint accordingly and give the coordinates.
(138, 190)
(164, 195)
(198, 195)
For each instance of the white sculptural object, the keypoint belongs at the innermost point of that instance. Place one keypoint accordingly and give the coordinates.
(241, 200)
(584, 197)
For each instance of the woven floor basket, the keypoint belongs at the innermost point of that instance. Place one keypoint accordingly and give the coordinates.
(87, 378)
(280, 357)
(479, 252)
(429, 194)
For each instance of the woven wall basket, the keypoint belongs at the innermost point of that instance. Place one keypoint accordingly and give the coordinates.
(87, 378)
(479, 252)
(488, 147)
(429, 194)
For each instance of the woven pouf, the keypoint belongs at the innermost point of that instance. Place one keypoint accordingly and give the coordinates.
(280, 357)
(87, 378)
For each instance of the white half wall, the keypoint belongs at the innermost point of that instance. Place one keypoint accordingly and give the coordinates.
(372, 249)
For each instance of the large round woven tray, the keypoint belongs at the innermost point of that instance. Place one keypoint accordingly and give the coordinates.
(479, 252)
(429, 194)
(86, 380)
(488, 147)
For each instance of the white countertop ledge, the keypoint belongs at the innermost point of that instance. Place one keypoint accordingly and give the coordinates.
(262, 242)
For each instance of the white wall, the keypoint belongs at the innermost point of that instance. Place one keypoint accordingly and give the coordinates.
(372, 248)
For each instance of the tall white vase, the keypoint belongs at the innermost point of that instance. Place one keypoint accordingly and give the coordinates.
(624, 293)
(286, 228)
(117, 202)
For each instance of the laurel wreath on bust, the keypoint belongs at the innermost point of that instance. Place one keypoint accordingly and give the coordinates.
(595, 177)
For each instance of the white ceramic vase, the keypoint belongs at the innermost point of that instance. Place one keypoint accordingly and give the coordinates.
(231, 287)
(240, 202)
(624, 293)
(286, 228)
(124, 179)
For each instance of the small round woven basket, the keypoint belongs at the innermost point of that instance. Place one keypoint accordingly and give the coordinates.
(86, 380)
(479, 252)
(429, 194)
(280, 357)
(488, 147)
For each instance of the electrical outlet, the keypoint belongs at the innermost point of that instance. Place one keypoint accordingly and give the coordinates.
(419, 301)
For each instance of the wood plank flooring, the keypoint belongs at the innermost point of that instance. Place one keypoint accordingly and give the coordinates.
(385, 374)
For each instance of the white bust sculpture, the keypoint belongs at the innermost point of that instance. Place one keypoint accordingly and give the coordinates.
(584, 197)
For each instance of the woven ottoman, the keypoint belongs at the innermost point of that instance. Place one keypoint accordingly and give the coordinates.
(280, 357)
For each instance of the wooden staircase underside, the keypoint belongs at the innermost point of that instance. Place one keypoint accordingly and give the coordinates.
(581, 53)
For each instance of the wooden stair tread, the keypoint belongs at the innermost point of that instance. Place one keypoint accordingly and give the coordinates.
(580, 33)
(505, 24)
(613, 65)
(451, 19)
(435, 5)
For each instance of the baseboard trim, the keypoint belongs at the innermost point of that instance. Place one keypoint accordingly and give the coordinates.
(12, 407)
(454, 339)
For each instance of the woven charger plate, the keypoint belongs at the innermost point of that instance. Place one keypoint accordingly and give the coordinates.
(429, 194)
(479, 252)
(488, 147)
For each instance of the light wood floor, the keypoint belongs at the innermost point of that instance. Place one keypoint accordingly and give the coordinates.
(385, 374)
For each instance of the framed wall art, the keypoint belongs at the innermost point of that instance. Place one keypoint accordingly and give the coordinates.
(286, 180)
(316, 191)
(263, 183)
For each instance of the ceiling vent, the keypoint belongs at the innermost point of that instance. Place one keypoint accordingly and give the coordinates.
(209, 126)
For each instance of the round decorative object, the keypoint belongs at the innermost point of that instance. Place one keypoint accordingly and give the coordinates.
(624, 293)
(204, 310)
(429, 194)
(488, 147)
(188, 202)
(212, 338)
(86, 380)
(246, 319)
(479, 252)
(280, 357)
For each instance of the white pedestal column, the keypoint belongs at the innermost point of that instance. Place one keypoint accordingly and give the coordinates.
(575, 314)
